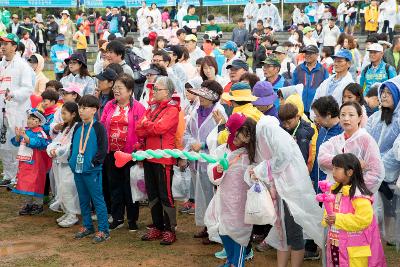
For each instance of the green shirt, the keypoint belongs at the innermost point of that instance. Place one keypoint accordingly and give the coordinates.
(191, 21)
(396, 56)
(214, 27)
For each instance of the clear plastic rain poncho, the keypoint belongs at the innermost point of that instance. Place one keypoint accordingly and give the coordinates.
(387, 137)
(227, 209)
(204, 190)
(279, 154)
(364, 147)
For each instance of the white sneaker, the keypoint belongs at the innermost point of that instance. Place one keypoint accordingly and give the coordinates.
(94, 217)
(69, 221)
(55, 206)
(62, 218)
(110, 218)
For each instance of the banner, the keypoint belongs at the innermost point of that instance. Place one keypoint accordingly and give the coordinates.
(306, 1)
(38, 3)
(232, 2)
(127, 3)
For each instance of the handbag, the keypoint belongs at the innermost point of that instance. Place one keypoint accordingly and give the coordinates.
(259, 207)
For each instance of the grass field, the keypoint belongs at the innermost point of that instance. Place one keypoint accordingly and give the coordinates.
(38, 241)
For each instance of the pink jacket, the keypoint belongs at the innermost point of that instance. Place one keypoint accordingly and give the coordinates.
(135, 113)
(365, 243)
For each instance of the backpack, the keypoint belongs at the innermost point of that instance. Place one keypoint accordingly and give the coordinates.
(387, 66)
(133, 61)
(288, 74)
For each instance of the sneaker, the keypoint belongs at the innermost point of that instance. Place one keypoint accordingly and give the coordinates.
(202, 234)
(249, 256)
(186, 207)
(221, 254)
(152, 234)
(132, 226)
(262, 247)
(192, 209)
(110, 218)
(94, 217)
(5, 182)
(311, 255)
(100, 237)
(55, 206)
(69, 221)
(150, 226)
(36, 209)
(25, 210)
(116, 225)
(83, 232)
(62, 218)
(168, 238)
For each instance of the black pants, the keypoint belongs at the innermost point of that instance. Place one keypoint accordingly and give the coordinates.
(386, 27)
(120, 190)
(59, 76)
(362, 23)
(42, 49)
(158, 178)
(82, 52)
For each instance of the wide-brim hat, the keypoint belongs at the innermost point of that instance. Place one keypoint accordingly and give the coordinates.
(66, 12)
(240, 91)
(265, 93)
(78, 57)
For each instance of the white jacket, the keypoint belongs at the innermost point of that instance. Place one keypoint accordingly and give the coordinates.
(329, 36)
(387, 11)
(251, 9)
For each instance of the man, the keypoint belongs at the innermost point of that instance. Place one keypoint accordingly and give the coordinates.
(115, 22)
(58, 53)
(335, 84)
(191, 21)
(194, 51)
(236, 69)
(392, 55)
(142, 15)
(260, 53)
(115, 52)
(230, 52)
(14, 25)
(240, 35)
(124, 20)
(52, 29)
(269, 14)
(271, 69)
(176, 52)
(15, 89)
(310, 11)
(250, 14)
(181, 34)
(341, 13)
(378, 71)
(256, 34)
(158, 128)
(108, 13)
(28, 27)
(330, 34)
(311, 74)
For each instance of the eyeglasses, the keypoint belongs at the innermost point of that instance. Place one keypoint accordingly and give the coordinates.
(157, 89)
(386, 93)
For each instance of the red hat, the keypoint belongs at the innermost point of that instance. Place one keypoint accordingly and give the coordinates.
(152, 36)
(234, 122)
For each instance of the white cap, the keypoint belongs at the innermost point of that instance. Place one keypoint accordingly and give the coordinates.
(375, 47)
(65, 12)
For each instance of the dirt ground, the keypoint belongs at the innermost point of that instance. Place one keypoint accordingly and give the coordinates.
(38, 241)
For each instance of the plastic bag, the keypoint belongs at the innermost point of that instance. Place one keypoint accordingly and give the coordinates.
(259, 207)
(138, 186)
(181, 183)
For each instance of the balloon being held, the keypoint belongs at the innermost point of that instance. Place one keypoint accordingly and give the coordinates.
(327, 198)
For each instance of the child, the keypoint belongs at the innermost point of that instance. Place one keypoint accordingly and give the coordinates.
(300, 130)
(353, 92)
(33, 162)
(327, 61)
(30, 47)
(81, 41)
(49, 106)
(88, 150)
(232, 190)
(372, 100)
(106, 80)
(64, 179)
(213, 29)
(353, 234)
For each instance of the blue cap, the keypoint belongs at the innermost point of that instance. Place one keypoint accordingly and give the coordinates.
(230, 45)
(60, 37)
(343, 53)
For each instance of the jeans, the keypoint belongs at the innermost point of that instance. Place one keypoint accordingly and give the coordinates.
(386, 27)
(89, 188)
(235, 253)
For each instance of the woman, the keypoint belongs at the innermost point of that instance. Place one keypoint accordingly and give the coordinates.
(209, 70)
(77, 73)
(160, 44)
(67, 27)
(37, 63)
(106, 80)
(165, 31)
(384, 126)
(191, 71)
(199, 126)
(151, 76)
(357, 141)
(119, 118)
(156, 15)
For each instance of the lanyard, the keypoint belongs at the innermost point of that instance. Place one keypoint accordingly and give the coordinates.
(82, 149)
(295, 130)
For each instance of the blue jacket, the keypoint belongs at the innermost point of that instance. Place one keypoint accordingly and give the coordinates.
(324, 135)
(55, 52)
(371, 75)
(46, 126)
(311, 81)
(96, 148)
(278, 84)
(36, 140)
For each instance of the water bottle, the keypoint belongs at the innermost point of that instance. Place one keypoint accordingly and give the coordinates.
(79, 163)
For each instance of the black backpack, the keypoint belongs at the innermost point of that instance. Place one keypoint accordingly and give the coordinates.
(133, 61)
(288, 74)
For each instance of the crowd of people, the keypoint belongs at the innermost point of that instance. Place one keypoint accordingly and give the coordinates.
(304, 111)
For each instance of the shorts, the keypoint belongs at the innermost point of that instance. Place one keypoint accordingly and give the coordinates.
(294, 232)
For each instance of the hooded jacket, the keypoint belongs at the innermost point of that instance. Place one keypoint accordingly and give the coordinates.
(41, 79)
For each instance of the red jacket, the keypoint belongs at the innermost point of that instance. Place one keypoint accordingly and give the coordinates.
(158, 127)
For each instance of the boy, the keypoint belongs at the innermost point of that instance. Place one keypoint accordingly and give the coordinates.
(54, 85)
(240, 34)
(88, 150)
(372, 100)
(81, 42)
(191, 22)
(300, 130)
(49, 107)
(213, 29)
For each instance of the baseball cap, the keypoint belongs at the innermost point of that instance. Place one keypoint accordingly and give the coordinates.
(191, 37)
(107, 74)
(230, 46)
(375, 47)
(308, 29)
(280, 49)
(60, 37)
(10, 37)
(310, 49)
(343, 53)
(238, 64)
(273, 61)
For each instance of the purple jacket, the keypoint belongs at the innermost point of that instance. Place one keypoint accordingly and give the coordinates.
(135, 113)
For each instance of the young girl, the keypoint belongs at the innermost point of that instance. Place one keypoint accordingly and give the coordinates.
(160, 44)
(59, 150)
(33, 162)
(232, 190)
(353, 92)
(165, 30)
(353, 235)
(327, 61)
(174, 28)
(30, 47)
